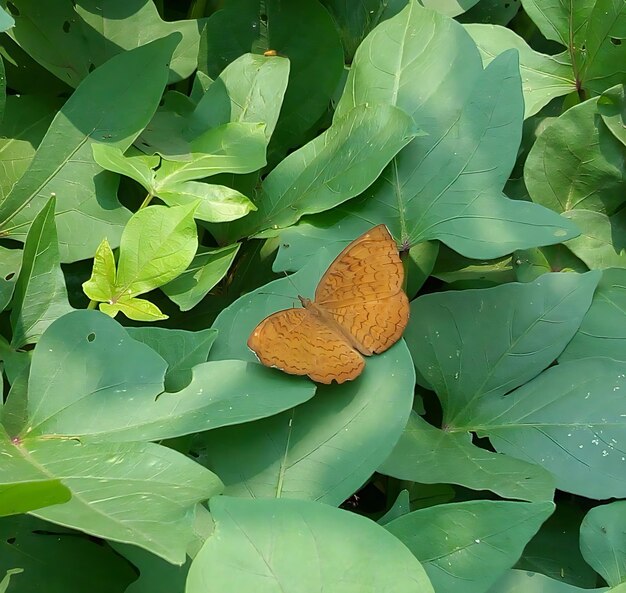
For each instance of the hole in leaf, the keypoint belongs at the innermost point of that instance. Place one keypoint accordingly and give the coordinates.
(616, 41)
(66, 27)
(263, 18)
(13, 9)
(91, 337)
(9, 276)
(11, 540)
(92, 67)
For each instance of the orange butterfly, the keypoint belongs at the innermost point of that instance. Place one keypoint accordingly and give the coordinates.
(359, 308)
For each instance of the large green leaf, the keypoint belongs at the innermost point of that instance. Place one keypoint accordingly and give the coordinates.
(138, 493)
(603, 329)
(332, 168)
(603, 541)
(302, 31)
(40, 295)
(474, 345)
(325, 449)
(293, 546)
(113, 388)
(570, 420)
(544, 77)
(97, 33)
(456, 542)
(612, 108)
(428, 455)
(446, 185)
(87, 207)
(576, 163)
(58, 560)
(523, 581)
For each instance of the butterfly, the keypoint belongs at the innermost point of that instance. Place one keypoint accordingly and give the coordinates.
(359, 309)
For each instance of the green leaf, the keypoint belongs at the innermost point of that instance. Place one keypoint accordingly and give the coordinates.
(612, 108)
(139, 167)
(50, 556)
(40, 295)
(114, 391)
(182, 350)
(248, 90)
(560, 22)
(6, 21)
(570, 420)
(322, 450)
(216, 203)
(577, 163)
(544, 77)
(207, 268)
(101, 284)
(449, 7)
(476, 345)
(455, 542)
(601, 243)
(133, 308)
(446, 185)
(603, 329)
(87, 206)
(138, 493)
(304, 544)
(230, 148)
(303, 32)
(10, 263)
(523, 581)
(431, 456)
(332, 168)
(529, 264)
(603, 541)
(157, 245)
(6, 581)
(400, 507)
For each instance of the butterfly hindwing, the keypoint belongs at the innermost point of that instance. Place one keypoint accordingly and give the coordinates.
(299, 343)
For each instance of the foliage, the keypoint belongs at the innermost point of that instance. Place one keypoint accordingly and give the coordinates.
(164, 164)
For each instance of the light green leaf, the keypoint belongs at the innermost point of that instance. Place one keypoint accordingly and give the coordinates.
(449, 7)
(455, 542)
(543, 77)
(250, 89)
(216, 203)
(140, 167)
(182, 350)
(476, 345)
(603, 541)
(40, 295)
(64, 165)
(207, 268)
(138, 493)
(400, 507)
(602, 241)
(303, 546)
(230, 148)
(576, 163)
(612, 108)
(570, 420)
(133, 308)
(603, 329)
(157, 245)
(113, 390)
(332, 168)
(101, 284)
(322, 450)
(6, 21)
(523, 581)
(429, 455)
(6, 581)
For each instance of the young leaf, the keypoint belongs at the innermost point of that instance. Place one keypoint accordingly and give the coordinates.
(140, 167)
(133, 308)
(328, 549)
(157, 245)
(87, 204)
(40, 295)
(101, 284)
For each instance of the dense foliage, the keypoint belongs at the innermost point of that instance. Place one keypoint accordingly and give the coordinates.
(173, 172)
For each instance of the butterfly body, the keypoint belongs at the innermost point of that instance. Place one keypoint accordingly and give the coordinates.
(359, 308)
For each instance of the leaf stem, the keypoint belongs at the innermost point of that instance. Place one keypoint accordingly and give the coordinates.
(92, 304)
(146, 201)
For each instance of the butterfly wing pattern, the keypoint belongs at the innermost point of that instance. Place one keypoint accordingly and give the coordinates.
(299, 343)
(359, 306)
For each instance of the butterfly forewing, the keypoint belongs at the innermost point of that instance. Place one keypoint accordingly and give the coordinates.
(299, 343)
(362, 291)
